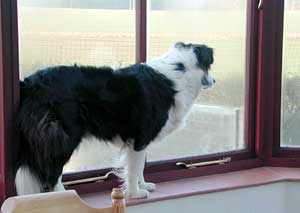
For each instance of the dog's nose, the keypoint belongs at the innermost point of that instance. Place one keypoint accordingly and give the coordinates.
(214, 81)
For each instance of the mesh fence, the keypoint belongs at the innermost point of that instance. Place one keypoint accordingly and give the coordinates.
(38, 50)
(46, 49)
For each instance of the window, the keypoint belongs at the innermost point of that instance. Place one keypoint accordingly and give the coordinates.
(216, 121)
(104, 33)
(290, 97)
(82, 32)
(221, 124)
(67, 35)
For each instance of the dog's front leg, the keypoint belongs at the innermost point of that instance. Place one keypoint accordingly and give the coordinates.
(133, 171)
(142, 183)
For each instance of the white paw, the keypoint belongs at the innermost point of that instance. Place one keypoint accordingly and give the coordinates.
(148, 186)
(141, 193)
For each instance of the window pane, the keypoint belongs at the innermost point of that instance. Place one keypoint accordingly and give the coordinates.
(52, 34)
(87, 32)
(217, 118)
(290, 104)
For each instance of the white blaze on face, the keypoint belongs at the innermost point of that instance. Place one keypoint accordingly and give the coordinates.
(192, 74)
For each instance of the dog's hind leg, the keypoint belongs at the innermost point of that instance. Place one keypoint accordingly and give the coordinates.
(27, 182)
(132, 170)
(59, 186)
(48, 147)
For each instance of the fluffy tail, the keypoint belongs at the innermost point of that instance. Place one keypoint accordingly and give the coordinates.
(27, 182)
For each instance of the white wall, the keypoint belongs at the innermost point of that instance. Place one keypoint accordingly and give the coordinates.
(273, 198)
(293, 197)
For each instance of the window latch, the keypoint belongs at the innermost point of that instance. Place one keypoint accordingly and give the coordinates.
(195, 165)
(88, 180)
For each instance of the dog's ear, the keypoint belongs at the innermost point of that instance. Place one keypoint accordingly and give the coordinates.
(179, 44)
(183, 45)
(204, 55)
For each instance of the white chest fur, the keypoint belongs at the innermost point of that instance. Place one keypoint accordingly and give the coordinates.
(188, 88)
(187, 85)
(177, 114)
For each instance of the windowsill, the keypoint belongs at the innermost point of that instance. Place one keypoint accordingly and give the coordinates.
(203, 185)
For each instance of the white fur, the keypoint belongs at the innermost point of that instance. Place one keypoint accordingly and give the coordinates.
(26, 182)
(188, 84)
(133, 173)
(142, 183)
(59, 186)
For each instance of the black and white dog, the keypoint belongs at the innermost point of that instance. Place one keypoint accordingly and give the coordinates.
(134, 106)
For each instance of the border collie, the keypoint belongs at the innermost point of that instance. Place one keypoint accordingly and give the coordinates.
(136, 105)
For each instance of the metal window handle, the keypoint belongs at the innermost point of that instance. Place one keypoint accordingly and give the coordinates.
(88, 180)
(260, 4)
(195, 165)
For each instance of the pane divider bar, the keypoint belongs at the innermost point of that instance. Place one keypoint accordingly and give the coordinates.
(141, 30)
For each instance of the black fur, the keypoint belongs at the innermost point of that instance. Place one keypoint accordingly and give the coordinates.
(60, 105)
(180, 67)
(204, 54)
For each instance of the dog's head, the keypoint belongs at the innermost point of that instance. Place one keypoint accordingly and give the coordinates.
(195, 61)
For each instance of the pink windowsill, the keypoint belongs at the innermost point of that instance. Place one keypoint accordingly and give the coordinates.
(206, 184)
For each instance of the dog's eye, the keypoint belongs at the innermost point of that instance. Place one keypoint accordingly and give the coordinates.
(180, 67)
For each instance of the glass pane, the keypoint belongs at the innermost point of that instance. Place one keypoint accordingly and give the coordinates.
(62, 32)
(87, 32)
(290, 98)
(216, 121)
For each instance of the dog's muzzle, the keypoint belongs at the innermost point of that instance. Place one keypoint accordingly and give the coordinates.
(207, 81)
